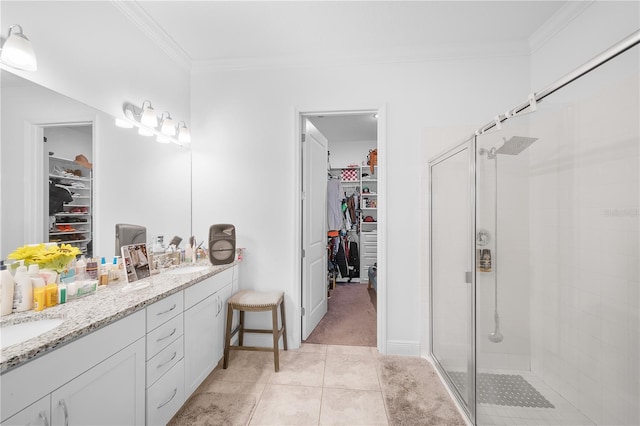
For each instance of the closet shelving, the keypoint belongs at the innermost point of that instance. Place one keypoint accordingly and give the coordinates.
(72, 225)
(369, 211)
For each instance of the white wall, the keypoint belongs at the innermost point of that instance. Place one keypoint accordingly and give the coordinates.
(350, 152)
(584, 220)
(90, 51)
(245, 155)
(67, 142)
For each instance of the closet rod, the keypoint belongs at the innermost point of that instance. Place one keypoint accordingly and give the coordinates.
(604, 57)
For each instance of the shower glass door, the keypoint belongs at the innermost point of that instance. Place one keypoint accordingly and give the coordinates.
(451, 280)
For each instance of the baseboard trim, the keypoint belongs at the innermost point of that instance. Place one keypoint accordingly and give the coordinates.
(403, 347)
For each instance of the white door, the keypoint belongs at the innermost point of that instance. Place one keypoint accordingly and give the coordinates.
(314, 227)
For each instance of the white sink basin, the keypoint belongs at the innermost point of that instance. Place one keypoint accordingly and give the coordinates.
(18, 333)
(186, 270)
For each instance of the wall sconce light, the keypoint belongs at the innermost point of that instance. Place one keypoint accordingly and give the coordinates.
(166, 125)
(145, 119)
(17, 51)
(148, 117)
(184, 135)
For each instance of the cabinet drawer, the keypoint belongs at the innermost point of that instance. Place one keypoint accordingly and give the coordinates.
(367, 261)
(206, 288)
(368, 237)
(166, 396)
(369, 249)
(164, 335)
(163, 361)
(163, 310)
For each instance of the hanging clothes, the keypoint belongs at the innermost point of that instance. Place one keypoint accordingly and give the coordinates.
(334, 204)
(58, 196)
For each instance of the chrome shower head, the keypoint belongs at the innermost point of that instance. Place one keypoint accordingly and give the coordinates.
(515, 145)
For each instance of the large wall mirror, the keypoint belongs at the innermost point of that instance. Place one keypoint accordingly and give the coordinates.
(133, 178)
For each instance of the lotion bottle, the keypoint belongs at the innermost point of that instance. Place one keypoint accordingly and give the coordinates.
(81, 269)
(7, 287)
(23, 293)
(188, 253)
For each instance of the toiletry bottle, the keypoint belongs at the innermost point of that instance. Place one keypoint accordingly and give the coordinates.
(114, 274)
(104, 272)
(50, 295)
(38, 295)
(62, 293)
(7, 287)
(23, 293)
(92, 269)
(81, 269)
(188, 253)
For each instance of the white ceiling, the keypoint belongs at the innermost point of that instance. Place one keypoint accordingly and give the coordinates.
(219, 31)
(239, 34)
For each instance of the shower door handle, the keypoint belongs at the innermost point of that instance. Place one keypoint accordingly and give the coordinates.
(468, 278)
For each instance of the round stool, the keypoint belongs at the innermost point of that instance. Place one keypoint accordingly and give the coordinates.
(255, 301)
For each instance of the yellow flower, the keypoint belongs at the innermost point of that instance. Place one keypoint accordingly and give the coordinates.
(46, 256)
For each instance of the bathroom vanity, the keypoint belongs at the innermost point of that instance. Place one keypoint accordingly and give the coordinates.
(126, 358)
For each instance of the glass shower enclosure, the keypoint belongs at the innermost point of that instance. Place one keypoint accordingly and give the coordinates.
(535, 259)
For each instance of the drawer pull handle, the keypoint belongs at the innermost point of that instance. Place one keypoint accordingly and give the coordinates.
(43, 416)
(167, 336)
(175, 391)
(66, 413)
(167, 311)
(175, 353)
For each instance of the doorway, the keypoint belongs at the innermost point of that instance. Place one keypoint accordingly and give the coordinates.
(352, 189)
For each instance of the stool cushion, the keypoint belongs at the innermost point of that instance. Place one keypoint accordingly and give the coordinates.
(256, 299)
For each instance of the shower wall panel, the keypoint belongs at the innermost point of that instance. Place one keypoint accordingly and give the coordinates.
(584, 227)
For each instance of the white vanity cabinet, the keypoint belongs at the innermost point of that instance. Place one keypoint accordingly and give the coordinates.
(203, 327)
(165, 353)
(107, 394)
(99, 378)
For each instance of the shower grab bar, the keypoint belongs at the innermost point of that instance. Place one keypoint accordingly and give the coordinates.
(604, 57)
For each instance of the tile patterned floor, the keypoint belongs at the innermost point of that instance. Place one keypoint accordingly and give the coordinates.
(316, 385)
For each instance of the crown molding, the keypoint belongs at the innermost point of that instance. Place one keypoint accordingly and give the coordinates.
(440, 53)
(557, 22)
(140, 17)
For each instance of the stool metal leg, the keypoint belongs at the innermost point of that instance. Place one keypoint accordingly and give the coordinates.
(241, 335)
(276, 337)
(227, 339)
(284, 325)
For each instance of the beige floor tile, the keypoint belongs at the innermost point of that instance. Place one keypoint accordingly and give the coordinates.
(246, 366)
(313, 347)
(349, 350)
(300, 368)
(352, 407)
(288, 405)
(220, 386)
(351, 372)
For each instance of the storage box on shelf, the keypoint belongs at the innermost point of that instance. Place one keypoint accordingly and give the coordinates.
(73, 223)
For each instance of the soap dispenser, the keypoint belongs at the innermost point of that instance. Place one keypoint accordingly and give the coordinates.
(7, 287)
(23, 293)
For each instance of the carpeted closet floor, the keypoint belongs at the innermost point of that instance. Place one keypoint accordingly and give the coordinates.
(321, 385)
(350, 318)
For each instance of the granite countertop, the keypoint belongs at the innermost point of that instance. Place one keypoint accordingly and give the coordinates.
(89, 313)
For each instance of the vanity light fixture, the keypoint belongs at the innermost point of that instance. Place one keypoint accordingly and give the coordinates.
(166, 125)
(146, 121)
(17, 51)
(184, 135)
(149, 117)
